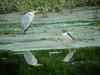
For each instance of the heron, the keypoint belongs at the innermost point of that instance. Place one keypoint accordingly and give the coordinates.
(31, 59)
(27, 20)
(68, 39)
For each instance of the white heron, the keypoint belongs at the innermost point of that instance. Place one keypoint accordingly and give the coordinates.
(27, 20)
(31, 59)
(68, 39)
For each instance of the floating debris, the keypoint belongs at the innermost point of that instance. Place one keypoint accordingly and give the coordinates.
(56, 52)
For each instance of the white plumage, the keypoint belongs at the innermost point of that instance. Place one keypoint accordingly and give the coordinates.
(27, 20)
(67, 38)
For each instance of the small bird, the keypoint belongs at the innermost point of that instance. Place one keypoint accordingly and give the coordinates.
(31, 59)
(27, 20)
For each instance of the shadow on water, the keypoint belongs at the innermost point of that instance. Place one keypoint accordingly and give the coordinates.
(86, 61)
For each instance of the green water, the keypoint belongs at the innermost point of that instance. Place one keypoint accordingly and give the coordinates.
(86, 61)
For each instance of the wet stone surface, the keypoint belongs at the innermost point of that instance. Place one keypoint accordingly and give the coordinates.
(48, 36)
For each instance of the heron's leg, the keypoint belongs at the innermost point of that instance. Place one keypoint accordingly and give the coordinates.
(69, 55)
(27, 28)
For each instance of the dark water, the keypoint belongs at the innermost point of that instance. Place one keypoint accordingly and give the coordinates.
(86, 61)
